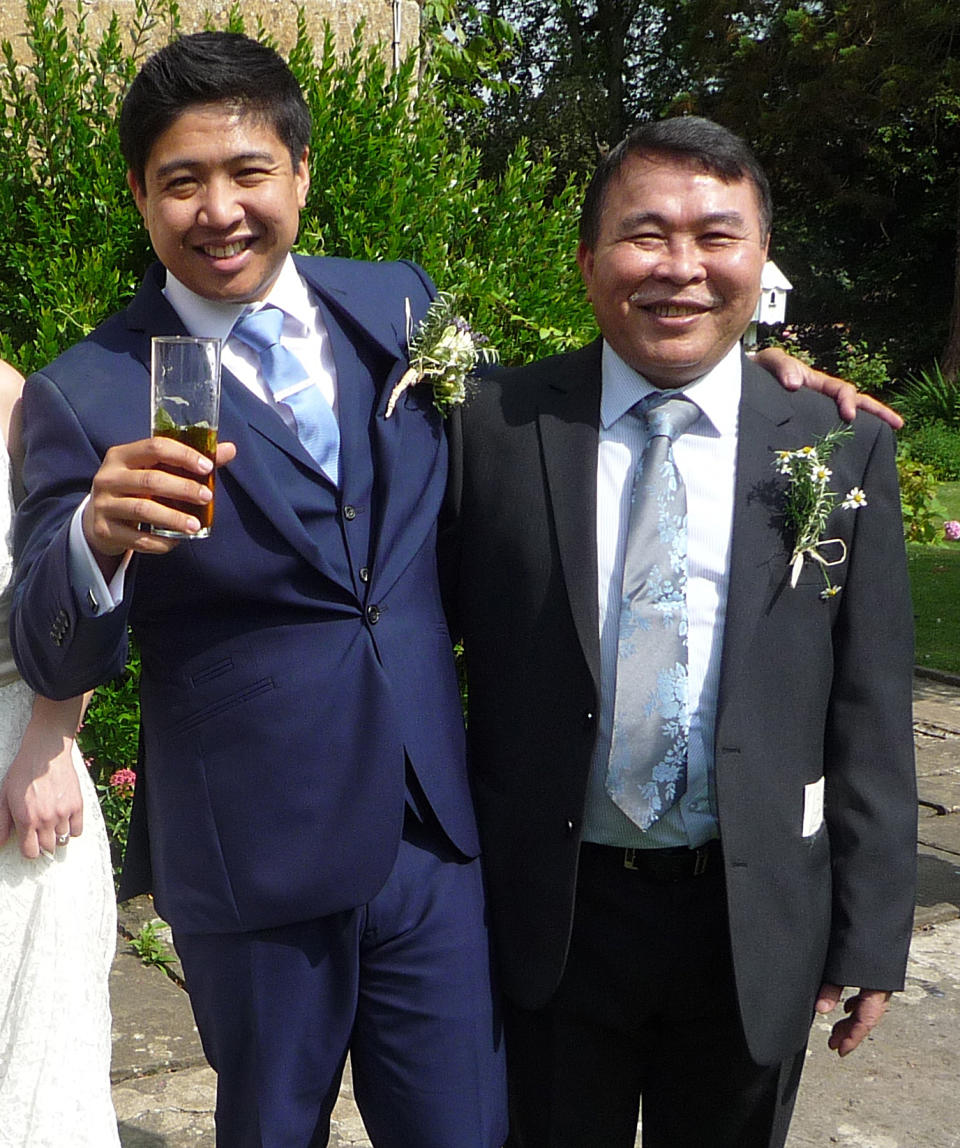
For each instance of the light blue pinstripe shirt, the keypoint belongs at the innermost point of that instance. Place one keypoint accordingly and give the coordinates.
(706, 458)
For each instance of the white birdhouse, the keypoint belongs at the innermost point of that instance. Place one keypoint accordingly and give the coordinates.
(774, 285)
(772, 304)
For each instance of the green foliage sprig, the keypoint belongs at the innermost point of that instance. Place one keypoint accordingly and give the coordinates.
(809, 503)
(150, 946)
(444, 350)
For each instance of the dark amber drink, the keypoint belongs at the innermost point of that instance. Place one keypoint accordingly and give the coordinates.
(204, 440)
(185, 405)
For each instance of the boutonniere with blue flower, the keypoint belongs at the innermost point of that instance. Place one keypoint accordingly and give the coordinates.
(443, 351)
(810, 503)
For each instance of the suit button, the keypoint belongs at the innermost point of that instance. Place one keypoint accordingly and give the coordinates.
(364, 574)
(589, 718)
(373, 615)
(349, 513)
(59, 627)
(570, 826)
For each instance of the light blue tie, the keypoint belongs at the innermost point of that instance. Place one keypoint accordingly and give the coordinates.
(288, 381)
(647, 768)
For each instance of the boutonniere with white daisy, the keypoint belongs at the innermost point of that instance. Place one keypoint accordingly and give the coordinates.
(443, 351)
(810, 503)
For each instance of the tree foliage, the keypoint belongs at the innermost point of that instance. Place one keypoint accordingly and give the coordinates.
(852, 105)
(854, 108)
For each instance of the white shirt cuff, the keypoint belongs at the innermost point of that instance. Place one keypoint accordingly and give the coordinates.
(96, 595)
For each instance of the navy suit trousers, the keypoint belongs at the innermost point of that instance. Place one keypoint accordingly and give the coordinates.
(404, 982)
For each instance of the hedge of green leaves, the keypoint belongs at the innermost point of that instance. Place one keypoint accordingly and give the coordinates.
(388, 180)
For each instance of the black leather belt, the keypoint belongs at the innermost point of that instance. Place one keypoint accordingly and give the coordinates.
(678, 864)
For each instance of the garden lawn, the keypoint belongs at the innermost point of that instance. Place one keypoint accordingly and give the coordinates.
(935, 585)
(948, 496)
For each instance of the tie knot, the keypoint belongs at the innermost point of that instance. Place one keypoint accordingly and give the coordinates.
(668, 415)
(260, 329)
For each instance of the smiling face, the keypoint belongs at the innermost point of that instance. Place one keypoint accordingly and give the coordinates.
(221, 200)
(674, 276)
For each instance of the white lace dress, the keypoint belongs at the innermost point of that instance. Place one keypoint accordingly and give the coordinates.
(57, 937)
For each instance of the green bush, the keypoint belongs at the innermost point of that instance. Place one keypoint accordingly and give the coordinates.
(109, 740)
(868, 370)
(918, 493)
(930, 396)
(73, 247)
(938, 446)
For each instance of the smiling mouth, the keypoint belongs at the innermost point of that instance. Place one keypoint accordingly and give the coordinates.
(225, 250)
(666, 310)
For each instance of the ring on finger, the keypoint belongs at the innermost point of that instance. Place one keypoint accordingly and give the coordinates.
(63, 838)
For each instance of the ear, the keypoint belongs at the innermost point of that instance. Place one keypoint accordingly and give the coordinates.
(139, 195)
(301, 174)
(585, 263)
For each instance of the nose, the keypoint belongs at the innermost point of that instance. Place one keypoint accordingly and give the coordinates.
(219, 207)
(680, 262)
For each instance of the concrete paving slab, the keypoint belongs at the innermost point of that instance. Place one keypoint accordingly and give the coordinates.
(938, 756)
(938, 884)
(153, 1029)
(167, 1110)
(941, 832)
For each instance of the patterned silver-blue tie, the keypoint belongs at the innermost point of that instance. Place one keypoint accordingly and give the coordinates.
(288, 381)
(647, 768)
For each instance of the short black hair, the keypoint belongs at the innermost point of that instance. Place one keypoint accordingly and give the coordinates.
(704, 145)
(211, 68)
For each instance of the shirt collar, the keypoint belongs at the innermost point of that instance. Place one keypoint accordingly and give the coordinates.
(214, 318)
(717, 393)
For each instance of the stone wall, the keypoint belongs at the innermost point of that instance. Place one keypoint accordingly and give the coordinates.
(279, 18)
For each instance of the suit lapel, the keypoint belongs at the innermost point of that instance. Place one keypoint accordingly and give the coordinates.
(569, 419)
(758, 559)
(402, 514)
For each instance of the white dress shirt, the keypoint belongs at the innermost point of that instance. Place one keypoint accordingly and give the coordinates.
(304, 333)
(706, 458)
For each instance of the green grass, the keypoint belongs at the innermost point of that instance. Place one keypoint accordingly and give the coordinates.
(948, 495)
(935, 585)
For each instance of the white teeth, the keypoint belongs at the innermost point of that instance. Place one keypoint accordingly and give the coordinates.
(223, 252)
(673, 310)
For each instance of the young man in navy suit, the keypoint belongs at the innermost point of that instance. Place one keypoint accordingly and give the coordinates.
(302, 797)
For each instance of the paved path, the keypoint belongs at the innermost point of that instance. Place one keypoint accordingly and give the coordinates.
(898, 1090)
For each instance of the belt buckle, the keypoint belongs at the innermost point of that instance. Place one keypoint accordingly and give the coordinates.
(630, 859)
(701, 860)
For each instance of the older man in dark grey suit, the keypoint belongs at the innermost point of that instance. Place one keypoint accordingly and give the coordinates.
(689, 730)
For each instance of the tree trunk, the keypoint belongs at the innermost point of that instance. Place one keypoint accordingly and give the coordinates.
(950, 359)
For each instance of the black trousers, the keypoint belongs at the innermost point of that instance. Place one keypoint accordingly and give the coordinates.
(647, 1008)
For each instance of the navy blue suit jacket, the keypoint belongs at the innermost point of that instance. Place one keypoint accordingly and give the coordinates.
(294, 660)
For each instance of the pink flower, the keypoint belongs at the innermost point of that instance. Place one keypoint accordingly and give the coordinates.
(951, 530)
(123, 781)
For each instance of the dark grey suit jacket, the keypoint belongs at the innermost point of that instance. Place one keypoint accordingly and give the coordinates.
(808, 689)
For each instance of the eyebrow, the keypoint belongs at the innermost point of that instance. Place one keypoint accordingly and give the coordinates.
(638, 219)
(192, 164)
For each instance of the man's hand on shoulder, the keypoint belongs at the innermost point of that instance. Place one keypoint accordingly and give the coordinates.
(864, 1012)
(792, 374)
